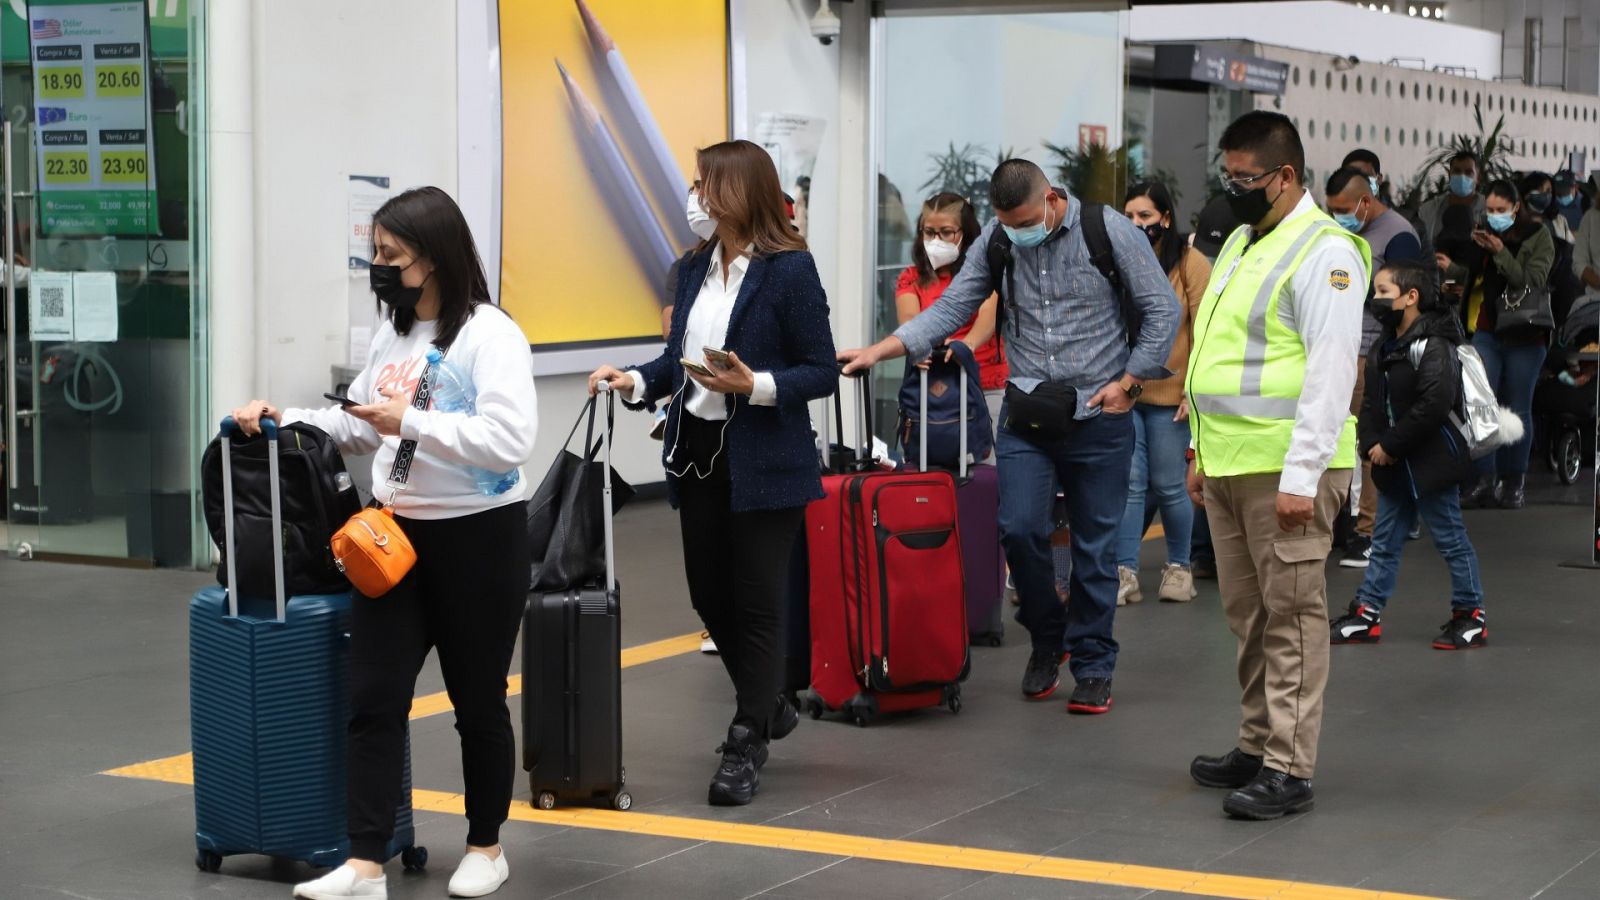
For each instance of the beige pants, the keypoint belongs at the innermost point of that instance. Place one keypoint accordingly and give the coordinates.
(1367, 514)
(1274, 591)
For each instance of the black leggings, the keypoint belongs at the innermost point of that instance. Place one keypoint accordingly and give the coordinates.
(737, 565)
(465, 596)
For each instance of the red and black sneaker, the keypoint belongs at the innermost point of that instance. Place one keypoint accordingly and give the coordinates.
(1467, 629)
(1092, 697)
(1361, 625)
(1043, 675)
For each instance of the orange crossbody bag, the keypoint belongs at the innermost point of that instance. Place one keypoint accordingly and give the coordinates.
(373, 552)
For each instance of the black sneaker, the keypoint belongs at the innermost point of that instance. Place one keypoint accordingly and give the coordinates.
(1357, 552)
(1233, 770)
(1043, 675)
(1271, 795)
(1091, 697)
(1360, 625)
(738, 775)
(1203, 568)
(784, 720)
(1468, 629)
(1481, 496)
(1512, 492)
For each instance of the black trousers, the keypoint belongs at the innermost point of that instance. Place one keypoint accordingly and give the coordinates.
(465, 596)
(737, 565)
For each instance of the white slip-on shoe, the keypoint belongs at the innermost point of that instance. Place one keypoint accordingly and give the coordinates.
(478, 875)
(343, 882)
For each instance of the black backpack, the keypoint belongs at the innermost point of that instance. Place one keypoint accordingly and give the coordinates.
(315, 501)
(1098, 242)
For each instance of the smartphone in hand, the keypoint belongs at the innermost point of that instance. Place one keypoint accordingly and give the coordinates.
(718, 358)
(345, 402)
(697, 368)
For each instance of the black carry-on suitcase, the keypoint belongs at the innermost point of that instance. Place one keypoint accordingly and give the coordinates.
(572, 681)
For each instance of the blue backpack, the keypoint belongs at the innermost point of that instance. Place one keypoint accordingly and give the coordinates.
(942, 413)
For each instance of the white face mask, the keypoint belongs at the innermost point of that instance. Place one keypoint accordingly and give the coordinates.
(700, 222)
(941, 253)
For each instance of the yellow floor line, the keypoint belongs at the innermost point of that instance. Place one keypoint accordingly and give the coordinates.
(179, 770)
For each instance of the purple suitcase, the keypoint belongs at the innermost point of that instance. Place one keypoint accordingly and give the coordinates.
(978, 522)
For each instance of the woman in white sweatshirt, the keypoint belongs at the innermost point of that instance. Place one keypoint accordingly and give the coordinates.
(465, 595)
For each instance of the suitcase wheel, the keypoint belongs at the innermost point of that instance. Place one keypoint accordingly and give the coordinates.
(955, 704)
(208, 861)
(415, 859)
(863, 709)
(812, 704)
(545, 800)
(622, 802)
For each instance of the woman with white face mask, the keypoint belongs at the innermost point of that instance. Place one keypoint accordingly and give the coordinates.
(749, 347)
(946, 228)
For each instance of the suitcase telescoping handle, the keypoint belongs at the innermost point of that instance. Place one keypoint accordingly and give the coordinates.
(269, 428)
(922, 432)
(605, 480)
(863, 450)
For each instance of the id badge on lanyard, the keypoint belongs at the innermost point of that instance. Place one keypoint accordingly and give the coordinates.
(1222, 283)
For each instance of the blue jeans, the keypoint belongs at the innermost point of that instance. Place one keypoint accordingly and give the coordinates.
(1514, 372)
(1091, 465)
(1160, 470)
(1442, 511)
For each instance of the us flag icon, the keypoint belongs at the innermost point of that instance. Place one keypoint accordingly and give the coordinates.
(46, 28)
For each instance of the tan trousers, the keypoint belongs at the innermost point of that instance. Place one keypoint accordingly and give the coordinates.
(1274, 591)
(1367, 515)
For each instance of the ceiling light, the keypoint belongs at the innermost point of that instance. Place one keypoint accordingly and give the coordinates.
(1426, 12)
(1412, 12)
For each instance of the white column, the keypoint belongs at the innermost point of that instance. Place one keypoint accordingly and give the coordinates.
(858, 190)
(230, 193)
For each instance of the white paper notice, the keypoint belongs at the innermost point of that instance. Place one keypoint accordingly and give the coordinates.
(50, 306)
(94, 316)
(367, 193)
(360, 346)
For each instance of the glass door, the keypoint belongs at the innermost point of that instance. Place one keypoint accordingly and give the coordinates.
(99, 294)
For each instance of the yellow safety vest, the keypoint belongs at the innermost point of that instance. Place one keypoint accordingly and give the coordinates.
(1248, 365)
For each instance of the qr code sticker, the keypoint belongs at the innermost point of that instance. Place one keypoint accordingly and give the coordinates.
(52, 302)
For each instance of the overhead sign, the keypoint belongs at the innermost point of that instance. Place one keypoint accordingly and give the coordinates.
(1212, 65)
(91, 68)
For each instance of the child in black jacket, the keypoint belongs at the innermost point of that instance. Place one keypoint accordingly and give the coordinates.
(1419, 456)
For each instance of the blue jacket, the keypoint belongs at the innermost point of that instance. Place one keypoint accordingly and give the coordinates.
(779, 325)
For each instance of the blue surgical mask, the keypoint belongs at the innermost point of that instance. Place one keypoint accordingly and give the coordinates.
(1501, 221)
(1350, 221)
(1461, 185)
(1373, 180)
(1568, 199)
(1032, 235)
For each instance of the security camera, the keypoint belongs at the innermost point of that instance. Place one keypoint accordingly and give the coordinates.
(825, 25)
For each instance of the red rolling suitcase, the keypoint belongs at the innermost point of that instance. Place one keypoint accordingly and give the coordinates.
(888, 609)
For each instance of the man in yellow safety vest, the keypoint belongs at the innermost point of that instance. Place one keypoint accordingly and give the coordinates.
(1274, 361)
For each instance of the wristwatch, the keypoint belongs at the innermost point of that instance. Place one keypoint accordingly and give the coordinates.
(1133, 389)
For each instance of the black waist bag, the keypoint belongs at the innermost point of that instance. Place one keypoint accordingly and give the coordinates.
(1049, 411)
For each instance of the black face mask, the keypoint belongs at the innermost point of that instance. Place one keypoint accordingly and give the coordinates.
(1387, 316)
(1251, 206)
(390, 289)
(1540, 201)
(1154, 231)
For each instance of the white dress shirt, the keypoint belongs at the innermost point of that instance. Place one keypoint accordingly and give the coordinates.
(708, 327)
(1328, 321)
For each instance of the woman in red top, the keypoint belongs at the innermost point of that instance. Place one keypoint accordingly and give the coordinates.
(946, 228)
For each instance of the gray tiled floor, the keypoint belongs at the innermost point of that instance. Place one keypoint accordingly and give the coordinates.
(1462, 775)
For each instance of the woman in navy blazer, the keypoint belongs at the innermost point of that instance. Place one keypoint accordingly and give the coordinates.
(740, 456)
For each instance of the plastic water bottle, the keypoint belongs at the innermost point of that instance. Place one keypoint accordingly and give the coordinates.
(452, 391)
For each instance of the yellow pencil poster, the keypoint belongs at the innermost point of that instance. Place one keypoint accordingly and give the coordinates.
(603, 105)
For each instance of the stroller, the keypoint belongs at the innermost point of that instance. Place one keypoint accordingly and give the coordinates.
(1564, 404)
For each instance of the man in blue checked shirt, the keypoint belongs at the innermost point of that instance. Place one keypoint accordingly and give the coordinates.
(1065, 420)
